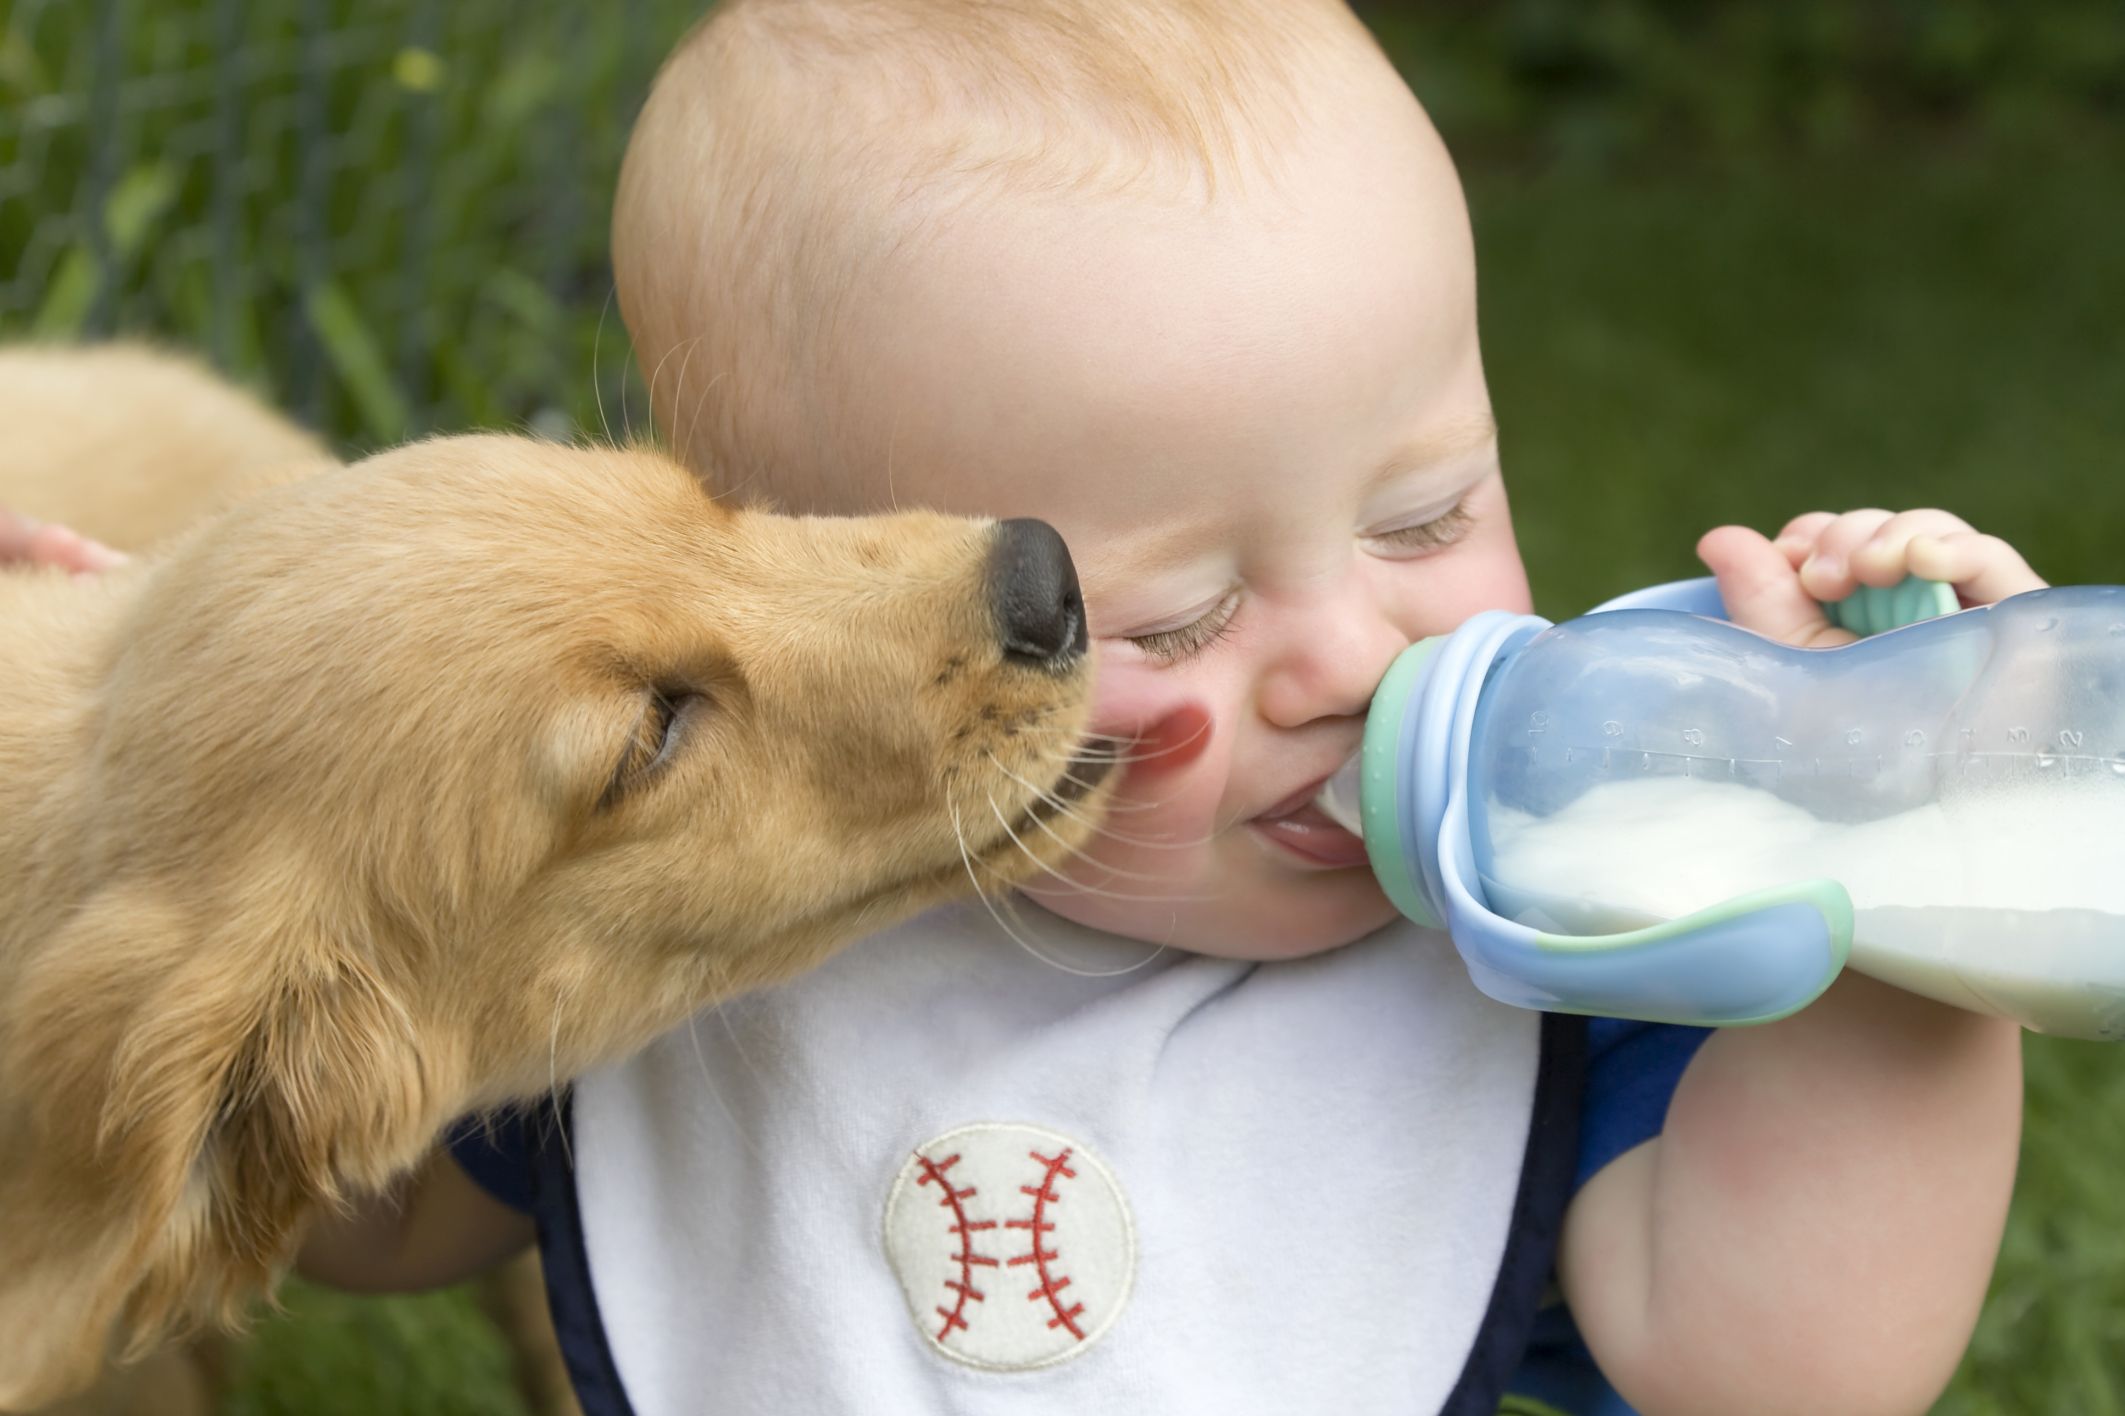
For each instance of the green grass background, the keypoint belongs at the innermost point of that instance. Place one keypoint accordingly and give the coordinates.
(1732, 268)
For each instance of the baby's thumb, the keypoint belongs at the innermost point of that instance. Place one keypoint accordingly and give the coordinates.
(1762, 591)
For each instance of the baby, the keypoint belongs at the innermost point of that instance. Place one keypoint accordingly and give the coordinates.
(1191, 280)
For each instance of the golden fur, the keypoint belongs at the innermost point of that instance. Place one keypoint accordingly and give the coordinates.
(354, 811)
(128, 444)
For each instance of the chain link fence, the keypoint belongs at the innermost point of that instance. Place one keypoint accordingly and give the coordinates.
(389, 215)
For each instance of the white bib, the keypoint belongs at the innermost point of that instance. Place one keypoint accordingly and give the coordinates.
(941, 1176)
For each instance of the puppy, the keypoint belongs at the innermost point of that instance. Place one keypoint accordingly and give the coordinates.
(414, 787)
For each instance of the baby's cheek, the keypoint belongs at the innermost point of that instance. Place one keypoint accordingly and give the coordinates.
(1484, 572)
(1157, 720)
(1176, 742)
(1155, 847)
(1127, 693)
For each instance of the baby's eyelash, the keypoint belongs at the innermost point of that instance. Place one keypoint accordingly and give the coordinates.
(1171, 646)
(1433, 534)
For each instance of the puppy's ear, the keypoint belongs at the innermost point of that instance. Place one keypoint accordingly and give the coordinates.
(181, 1097)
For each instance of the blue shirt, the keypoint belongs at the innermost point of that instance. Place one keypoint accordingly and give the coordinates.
(1631, 1073)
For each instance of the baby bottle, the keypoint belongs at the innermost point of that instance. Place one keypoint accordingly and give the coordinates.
(1648, 812)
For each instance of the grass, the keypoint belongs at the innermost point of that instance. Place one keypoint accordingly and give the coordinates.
(1672, 342)
(389, 215)
(1672, 351)
(330, 1354)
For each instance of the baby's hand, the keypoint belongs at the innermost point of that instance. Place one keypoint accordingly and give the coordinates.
(1775, 586)
(25, 540)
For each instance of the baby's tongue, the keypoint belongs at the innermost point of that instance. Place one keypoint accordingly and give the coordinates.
(1304, 828)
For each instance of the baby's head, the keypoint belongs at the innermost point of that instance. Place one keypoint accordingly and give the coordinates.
(1190, 279)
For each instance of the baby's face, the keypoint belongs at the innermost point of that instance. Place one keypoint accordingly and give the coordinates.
(1262, 426)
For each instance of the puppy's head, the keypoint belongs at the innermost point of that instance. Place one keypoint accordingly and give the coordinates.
(424, 783)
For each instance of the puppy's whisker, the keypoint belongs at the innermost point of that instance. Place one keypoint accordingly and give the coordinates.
(892, 436)
(1070, 887)
(627, 422)
(1109, 808)
(1170, 748)
(966, 857)
(681, 409)
(1117, 808)
(1023, 850)
(597, 387)
(699, 409)
(1063, 808)
(708, 1077)
(1156, 949)
(1112, 808)
(656, 379)
(1119, 759)
(1130, 759)
(1079, 853)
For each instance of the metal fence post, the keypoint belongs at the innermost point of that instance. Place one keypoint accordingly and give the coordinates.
(104, 138)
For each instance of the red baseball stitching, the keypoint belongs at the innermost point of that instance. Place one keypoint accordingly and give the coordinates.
(955, 1316)
(1050, 1285)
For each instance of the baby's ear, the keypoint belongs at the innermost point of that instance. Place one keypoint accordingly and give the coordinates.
(175, 1100)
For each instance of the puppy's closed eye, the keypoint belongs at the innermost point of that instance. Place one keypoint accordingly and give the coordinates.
(668, 712)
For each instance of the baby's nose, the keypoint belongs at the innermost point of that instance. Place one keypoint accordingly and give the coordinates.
(1327, 665)
(1040, 613)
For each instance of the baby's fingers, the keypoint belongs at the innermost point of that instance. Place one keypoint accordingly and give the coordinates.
(1827, 573)
(24, 538)
(1885, 557)
(1983, 569)
(1760, 590)
(1796, 539)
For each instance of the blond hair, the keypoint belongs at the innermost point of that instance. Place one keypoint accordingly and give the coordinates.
(791, 147)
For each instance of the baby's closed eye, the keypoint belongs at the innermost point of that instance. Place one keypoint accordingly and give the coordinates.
(1191, 634)
(1434, 533)
(1197, 632)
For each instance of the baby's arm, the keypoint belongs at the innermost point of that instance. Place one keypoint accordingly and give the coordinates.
(435, 1227)
(1815, 1227)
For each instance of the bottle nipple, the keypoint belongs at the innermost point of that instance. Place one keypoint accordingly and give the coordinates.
(1338, 796)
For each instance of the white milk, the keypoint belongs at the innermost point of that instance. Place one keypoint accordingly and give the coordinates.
(2010, 901)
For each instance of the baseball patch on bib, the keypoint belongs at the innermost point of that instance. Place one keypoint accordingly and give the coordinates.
(1013, 1243)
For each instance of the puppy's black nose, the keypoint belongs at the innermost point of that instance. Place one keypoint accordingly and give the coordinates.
(1040, 614)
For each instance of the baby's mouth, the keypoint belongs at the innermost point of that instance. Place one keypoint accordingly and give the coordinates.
(1301, 829)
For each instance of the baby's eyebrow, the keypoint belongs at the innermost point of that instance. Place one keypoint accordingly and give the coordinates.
(1155, 551)
(1440, 444)
(1137, 557)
